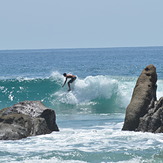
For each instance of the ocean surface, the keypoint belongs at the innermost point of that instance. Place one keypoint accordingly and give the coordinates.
(91, 116)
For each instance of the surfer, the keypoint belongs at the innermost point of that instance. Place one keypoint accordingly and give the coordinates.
(72, 79)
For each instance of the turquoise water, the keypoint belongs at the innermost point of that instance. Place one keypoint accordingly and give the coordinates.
(91, 116)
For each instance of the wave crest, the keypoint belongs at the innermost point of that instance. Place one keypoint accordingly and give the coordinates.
(98, 94)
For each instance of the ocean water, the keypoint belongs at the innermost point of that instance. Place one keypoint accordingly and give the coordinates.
(91, 116)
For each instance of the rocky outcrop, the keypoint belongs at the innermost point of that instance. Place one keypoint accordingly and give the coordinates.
(143, 98)
(25, 119)
(153, 120)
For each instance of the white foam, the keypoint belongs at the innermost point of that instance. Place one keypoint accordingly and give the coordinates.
(56, 76)
(11, 96)
(95, 87)
(104, 139)
(51, 160)
(65, 97)
(88, 141)
(159, 89)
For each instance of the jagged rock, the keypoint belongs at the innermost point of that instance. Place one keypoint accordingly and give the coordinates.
(143, 98)
(153, 120)
(25, 119)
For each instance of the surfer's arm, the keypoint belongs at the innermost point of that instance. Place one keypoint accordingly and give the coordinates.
(64, 82)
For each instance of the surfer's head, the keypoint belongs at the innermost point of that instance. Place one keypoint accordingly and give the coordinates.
(64, 74)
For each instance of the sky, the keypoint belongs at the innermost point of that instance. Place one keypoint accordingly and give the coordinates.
(55, 24)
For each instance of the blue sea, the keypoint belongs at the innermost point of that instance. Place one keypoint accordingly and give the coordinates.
(91, 116)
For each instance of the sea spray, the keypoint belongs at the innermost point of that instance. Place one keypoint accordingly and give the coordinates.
(96, 94)
(159, 89)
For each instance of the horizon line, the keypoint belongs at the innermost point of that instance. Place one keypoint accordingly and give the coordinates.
(81, 48)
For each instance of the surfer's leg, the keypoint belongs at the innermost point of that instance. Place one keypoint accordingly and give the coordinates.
(69, 86)
(71, 81)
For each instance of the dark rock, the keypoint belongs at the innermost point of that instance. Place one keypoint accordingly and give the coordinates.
(143, 98)
(25, 119)
(153, 120)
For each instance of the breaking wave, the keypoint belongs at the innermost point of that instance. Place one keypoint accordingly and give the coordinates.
(94, 94)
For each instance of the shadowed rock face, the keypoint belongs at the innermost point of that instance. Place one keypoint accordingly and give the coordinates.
(143, 98)
(153, 120)
(25, 119)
